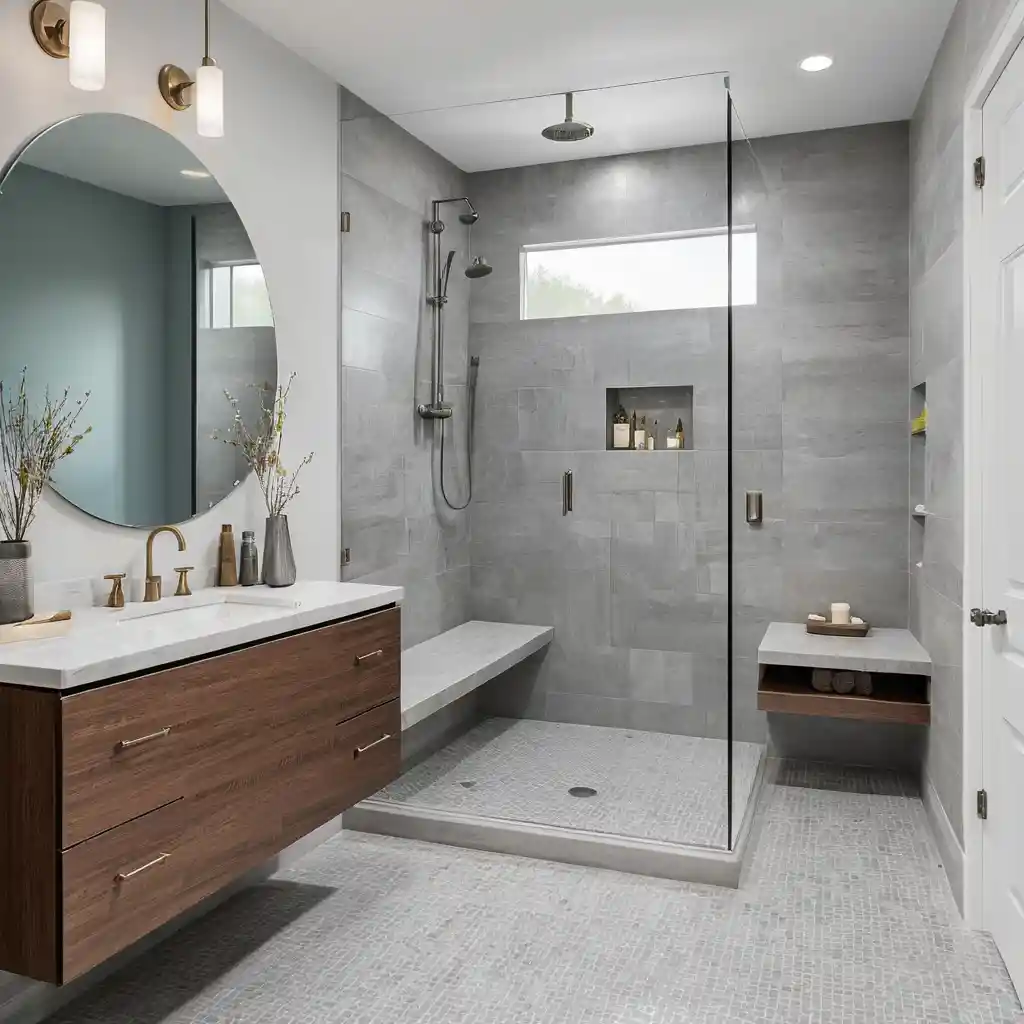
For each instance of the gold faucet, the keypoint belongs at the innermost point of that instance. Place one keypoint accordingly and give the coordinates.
(154, 583)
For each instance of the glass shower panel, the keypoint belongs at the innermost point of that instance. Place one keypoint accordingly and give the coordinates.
(756, 447)
(609, 300)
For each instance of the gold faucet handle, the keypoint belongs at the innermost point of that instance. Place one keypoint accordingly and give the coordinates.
(183, 590)
(116, 597)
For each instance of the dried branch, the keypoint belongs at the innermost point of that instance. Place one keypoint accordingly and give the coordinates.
(261, 448)
(30, 447)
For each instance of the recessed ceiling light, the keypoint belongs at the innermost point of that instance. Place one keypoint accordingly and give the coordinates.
(188, 173)
(819, 63)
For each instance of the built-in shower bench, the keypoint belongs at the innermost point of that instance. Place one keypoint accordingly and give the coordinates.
(439, 671)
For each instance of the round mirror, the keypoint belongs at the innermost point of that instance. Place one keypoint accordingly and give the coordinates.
(125, 272)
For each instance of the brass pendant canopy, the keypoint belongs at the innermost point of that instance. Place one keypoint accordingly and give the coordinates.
(50, 28)
(175, 87)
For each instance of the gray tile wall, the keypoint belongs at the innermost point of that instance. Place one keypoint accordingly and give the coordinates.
(395, 526)
(634, 579)
(937, 307)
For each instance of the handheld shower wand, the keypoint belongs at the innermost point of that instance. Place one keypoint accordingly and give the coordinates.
(437, 408)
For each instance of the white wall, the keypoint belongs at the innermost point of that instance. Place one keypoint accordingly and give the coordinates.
(279, 164)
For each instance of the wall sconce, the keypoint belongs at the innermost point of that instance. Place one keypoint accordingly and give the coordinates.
(206, 90)
(85, 49)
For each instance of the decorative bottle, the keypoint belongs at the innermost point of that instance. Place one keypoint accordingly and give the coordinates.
(227, 569)
(680, 435)
(250, 573)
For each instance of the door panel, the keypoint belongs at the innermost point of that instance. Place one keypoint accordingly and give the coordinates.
(1003, 522)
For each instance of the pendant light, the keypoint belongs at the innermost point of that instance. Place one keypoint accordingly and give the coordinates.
(207, 89)
(78, 35)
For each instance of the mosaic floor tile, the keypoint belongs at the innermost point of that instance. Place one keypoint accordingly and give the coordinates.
(844, 918)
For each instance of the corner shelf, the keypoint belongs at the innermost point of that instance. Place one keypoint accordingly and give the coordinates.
(900, 668)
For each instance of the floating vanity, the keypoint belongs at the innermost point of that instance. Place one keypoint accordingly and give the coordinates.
(900, 667)
(160, 751)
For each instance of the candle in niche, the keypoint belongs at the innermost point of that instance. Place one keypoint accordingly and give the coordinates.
(840, 614)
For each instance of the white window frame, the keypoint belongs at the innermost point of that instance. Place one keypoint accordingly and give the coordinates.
(208, 269)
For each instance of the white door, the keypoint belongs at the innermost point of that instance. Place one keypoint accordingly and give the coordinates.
(1003, 519)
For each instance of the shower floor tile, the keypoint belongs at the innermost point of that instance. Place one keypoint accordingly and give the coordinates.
(649, 785)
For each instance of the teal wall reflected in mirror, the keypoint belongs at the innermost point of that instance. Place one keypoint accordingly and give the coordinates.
(124, 277)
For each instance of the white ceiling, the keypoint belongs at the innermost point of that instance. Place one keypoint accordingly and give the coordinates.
(403, 56)
(125, 155)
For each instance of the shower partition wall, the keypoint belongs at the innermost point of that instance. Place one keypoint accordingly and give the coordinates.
(619, 262)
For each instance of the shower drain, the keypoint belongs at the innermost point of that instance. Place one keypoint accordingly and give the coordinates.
(582, 791)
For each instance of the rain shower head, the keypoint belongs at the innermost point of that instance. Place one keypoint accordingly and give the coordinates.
(569, 130)
(478, 268)
(469, 218)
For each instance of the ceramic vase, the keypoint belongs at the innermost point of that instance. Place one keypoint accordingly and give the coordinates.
(278, 559)
(15, 581)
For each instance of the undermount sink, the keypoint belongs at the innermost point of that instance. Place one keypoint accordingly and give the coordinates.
(227, 606)
(202, 615)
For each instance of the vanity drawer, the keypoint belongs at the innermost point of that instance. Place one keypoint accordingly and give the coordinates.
(119, 886)
(369, 653)
(367, 756)
(122, 749)
(130, 747)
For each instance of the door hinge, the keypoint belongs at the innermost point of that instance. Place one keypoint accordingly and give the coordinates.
(979, 172)
(346, 222)
(983, 804)
(346, 557)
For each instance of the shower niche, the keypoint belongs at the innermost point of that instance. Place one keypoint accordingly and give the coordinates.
(665, 404)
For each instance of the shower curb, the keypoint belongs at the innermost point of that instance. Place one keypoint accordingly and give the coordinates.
(675, 861)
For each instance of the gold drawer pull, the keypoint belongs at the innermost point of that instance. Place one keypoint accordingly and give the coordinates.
(360, 658)
(124, 876)
(128, 744)
(370, 746)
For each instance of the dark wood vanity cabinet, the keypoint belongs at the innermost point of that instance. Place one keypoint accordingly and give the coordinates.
(127, 803)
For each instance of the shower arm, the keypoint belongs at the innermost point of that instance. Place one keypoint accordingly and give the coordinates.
(437, 409)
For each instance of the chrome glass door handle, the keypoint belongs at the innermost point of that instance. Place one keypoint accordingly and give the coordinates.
(983, 617)
(370, 746)
(128, 744)
(124, 876)
(361, 658)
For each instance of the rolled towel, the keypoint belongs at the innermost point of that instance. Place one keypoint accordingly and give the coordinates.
(821, 680)
(862, 684)
(843, 682)
(816, 618)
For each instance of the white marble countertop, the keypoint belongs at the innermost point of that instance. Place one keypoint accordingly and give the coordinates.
(882, 650)
(104, 643)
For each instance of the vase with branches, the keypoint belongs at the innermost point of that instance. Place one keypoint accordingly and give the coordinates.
(32, 443)
(260, 447)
